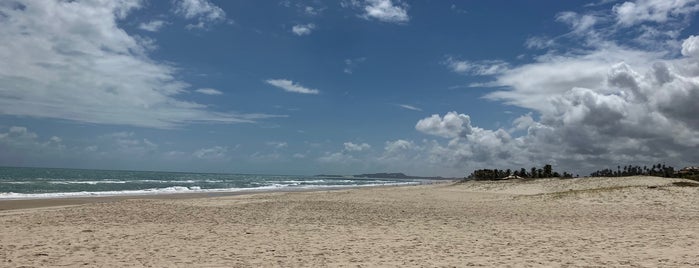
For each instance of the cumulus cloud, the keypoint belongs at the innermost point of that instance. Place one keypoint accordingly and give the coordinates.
(607, 102)
(19, 142)
(450, 126)
(152, 26)
(690, 47)
(348, 154)
(291, 86)
(303, 29)
(209, 91)
(17, 134)
(381, 10)
(201, 10)
(356, 147)
(634, 12)
(386, 11)
(71, 60)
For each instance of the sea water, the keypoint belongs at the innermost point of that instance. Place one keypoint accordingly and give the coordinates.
(28, 183)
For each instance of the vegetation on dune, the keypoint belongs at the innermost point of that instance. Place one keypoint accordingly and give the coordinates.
(659, 170)
(533, 173)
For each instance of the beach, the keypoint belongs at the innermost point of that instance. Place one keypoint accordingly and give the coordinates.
(630, 221)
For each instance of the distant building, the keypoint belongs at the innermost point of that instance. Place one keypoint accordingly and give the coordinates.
(688, 171)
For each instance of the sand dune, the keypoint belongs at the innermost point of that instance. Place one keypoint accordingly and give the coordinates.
(635, 221)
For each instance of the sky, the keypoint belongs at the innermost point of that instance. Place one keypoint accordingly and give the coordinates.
(348, 87)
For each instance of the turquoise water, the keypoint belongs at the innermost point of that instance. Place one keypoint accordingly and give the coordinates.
(20, 183)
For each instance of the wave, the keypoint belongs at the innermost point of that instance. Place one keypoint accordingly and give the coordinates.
(112, 181)
(87, 182)
(184, 189)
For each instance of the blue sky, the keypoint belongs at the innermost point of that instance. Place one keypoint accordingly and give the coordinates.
(309, 87)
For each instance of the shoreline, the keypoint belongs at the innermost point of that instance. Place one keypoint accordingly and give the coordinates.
(60, 201)
(601, 222)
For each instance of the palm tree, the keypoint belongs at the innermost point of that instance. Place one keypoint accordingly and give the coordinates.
(618, 168)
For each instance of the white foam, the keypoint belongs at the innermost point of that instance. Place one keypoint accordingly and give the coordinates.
(87, 182)
(182, 189)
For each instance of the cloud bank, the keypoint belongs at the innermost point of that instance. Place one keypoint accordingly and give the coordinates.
(72, 60)
(618, 96)
(608, 102)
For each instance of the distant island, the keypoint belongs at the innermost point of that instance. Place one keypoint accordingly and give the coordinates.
(330, 175)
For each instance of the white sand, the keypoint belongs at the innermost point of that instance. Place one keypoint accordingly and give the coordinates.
(580, 222)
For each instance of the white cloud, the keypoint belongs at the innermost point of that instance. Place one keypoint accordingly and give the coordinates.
(17, 134)
(409, 107)
(290, 86)
(487, 67)
(351, 64)
(690, 46)
(311, 11)
(356, 147)
(127, 143)
(660, 11)
(216, 152)
(539, 42)
(337, 157)
(152, 26)
(277, 144)
(393, 147)
(536, 82)
(70, 60)
(386, 11)
(19, 142)
(346, 156)
(201, 10)
(452, 125)
(303, 29)
(607, 102)
(579, 23)
(209, 91)
(381, 10)
(171, 155)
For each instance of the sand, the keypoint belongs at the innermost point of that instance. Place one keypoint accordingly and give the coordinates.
(598, 222)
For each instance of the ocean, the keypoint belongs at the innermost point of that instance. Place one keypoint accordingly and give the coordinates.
(31, 183)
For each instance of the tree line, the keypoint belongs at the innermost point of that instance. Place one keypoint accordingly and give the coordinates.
(493, 174)
(659, 170)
